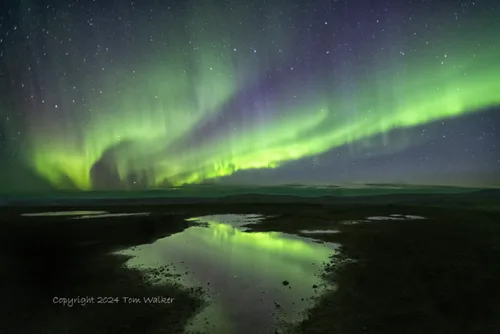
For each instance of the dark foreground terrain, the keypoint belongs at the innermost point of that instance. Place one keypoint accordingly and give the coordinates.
(434, 275)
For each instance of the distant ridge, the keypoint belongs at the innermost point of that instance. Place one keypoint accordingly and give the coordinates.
(258, 195)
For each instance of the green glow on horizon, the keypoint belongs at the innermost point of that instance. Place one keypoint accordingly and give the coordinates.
(141, 117)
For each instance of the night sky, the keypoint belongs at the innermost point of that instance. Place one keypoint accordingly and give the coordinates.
(111, 95)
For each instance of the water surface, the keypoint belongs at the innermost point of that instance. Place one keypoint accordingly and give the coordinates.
(254, 281)
(111, 215)
(63, 213)
(395, 216)
(319, 231)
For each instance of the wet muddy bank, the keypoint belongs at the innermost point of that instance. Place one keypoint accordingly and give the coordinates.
(51, 260)
(438, 275)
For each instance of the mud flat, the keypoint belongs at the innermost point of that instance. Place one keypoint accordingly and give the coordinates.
(411, 266)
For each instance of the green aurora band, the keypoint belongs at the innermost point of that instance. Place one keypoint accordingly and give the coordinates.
(141, 118)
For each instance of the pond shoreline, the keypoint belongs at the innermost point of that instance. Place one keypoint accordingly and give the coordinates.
(406, 276)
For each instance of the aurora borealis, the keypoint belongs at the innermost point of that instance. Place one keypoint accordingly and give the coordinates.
(124, 95)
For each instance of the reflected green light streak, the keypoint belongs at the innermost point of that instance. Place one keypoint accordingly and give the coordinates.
(273, 253)
(243, 272)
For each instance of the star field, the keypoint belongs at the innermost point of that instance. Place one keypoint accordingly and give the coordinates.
(141, 94)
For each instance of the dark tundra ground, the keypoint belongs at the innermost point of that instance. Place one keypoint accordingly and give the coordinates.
(434, 275)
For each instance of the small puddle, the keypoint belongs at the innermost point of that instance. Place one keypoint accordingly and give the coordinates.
(63, 213)
(395, 216)
(385, 218)
(84, 214)
(111, 215)
(414, 217)
(256, 282)
(237, 221)
(319, 231)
